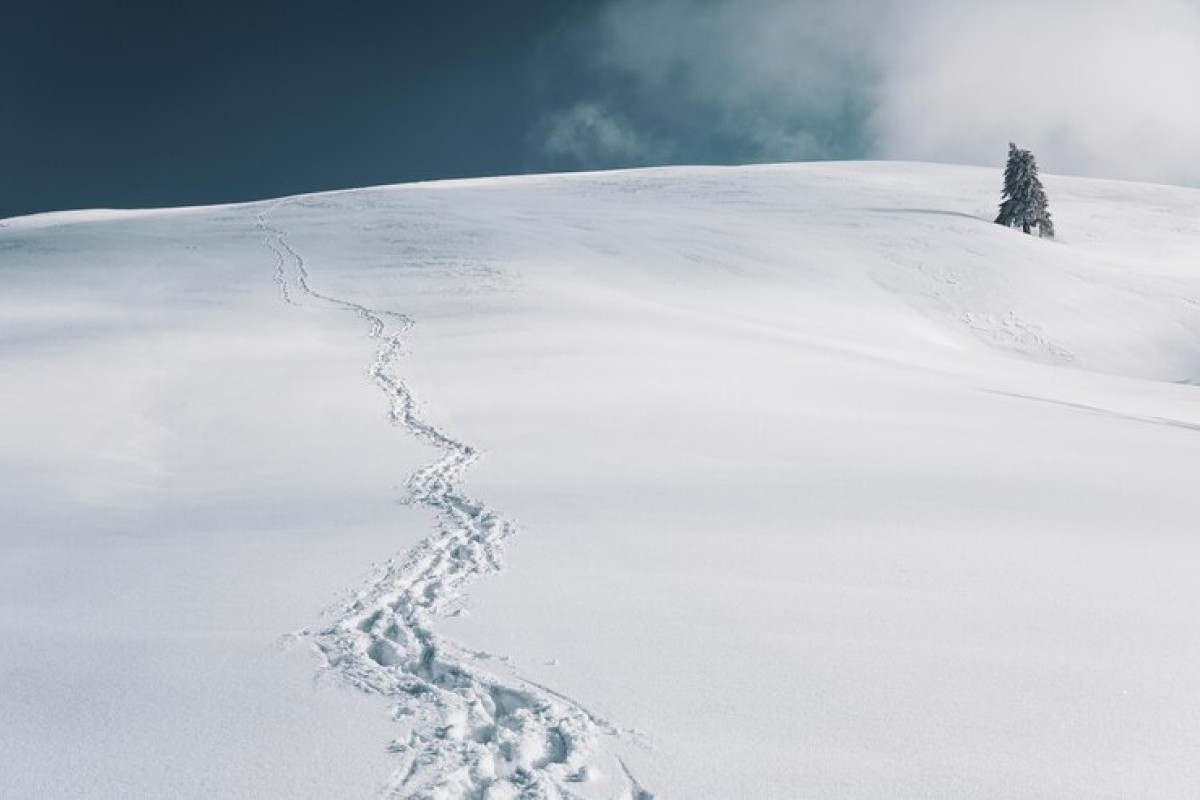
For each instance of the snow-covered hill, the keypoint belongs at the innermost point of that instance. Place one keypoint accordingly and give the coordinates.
(771, 482)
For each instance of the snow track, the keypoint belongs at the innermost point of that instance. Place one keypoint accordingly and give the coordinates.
(468, 732)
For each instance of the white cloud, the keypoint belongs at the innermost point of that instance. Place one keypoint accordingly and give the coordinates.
(587, 133)
(752, 79)
(1102, 87)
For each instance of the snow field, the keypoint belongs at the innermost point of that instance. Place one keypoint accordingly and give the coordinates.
(823, 485)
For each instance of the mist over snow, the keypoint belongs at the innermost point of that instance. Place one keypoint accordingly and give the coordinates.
(1109, 88)
(1095, 87)
(757, 80)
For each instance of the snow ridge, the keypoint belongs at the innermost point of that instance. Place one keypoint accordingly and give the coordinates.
(468, 732)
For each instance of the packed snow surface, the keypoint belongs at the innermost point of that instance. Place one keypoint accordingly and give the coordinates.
(770, 482)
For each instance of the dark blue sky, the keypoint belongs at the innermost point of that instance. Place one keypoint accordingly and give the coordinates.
(147, 103)
(152, 103)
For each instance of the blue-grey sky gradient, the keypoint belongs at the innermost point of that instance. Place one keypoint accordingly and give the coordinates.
(140, 103)
(119, 103)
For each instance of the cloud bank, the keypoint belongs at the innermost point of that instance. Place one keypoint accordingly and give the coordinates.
(590, 134)
(722, 80)
(1097, 87)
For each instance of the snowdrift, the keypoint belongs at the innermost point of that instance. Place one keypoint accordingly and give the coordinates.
(777, 481)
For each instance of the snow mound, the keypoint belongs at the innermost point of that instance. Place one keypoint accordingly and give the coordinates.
(773, 481)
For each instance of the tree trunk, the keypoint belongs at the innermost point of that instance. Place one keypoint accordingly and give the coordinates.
(1025, 227)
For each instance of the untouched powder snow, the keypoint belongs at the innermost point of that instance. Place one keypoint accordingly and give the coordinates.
(780, 481)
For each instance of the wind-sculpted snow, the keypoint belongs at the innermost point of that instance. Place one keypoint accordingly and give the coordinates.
(468, 732)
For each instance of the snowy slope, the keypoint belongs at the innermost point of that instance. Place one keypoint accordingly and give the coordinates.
(784, 481)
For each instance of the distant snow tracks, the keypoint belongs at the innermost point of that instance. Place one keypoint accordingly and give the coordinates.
(467, 732)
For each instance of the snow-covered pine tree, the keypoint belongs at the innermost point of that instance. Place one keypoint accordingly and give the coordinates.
(1024, 198)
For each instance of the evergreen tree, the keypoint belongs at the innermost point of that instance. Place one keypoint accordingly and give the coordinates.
(1024, 198)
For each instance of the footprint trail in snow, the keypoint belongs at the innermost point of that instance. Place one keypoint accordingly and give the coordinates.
(468, 733)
